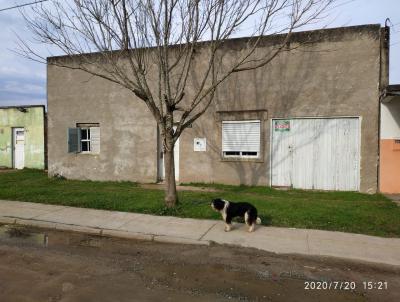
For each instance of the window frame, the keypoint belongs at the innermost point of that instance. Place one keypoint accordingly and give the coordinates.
(87, 139)
(92, 138)
(241, 155)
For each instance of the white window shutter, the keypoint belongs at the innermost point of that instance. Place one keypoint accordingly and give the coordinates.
(241, 136)
(95, 140)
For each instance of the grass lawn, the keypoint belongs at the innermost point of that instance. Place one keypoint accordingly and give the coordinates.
(338, 211)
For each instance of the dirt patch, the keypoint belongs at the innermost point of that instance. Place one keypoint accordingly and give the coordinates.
(394, 197)
(75, 267)
(161, 186)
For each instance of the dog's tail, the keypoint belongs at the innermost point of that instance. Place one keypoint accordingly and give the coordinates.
(258, 220)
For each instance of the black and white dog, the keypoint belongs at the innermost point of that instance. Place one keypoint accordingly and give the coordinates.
(230, 210)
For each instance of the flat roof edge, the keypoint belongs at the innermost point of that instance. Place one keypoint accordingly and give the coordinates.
(21, 106)
(296, 36)
(393, 88)
(391, 93)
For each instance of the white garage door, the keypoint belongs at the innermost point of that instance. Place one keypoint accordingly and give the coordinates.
(316, 153)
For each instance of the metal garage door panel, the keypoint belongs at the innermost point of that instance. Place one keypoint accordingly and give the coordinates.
(321, 153)
(302, 153)
(337, 154)
(347, 167)
(325, 155)
(281, 159)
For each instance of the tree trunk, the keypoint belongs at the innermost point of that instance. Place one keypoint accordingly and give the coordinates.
(171, 197)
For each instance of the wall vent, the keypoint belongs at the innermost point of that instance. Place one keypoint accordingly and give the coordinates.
(396, 144)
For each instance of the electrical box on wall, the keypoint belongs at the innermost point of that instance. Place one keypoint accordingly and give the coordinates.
(199, 144)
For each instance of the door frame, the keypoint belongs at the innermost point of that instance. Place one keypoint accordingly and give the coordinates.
(160, 160)
(13, 137)
(315, 117)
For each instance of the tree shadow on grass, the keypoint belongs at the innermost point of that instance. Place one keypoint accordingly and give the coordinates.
(266, 220)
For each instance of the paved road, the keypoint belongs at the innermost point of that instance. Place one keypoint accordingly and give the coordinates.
(47, 265)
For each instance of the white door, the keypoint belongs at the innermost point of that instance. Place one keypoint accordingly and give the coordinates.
(161, 165)
(316, 153)
(19, 148)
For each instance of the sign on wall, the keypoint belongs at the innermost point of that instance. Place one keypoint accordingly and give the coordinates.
(199, 144)
(282, 125)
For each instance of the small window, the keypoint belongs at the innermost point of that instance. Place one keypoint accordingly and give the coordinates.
(85, 138)
(241, 139)
(232, 153)
(249, 153)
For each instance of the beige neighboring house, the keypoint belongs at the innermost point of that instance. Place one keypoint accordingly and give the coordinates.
(310, 120)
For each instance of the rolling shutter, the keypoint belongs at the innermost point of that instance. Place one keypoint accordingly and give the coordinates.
(74, 138)
(95, 139)
(241, 136)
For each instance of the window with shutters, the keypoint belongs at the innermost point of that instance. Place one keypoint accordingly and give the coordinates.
(85, 138)
(241, 139)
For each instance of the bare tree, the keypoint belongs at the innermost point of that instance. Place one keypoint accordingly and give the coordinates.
(150, 48)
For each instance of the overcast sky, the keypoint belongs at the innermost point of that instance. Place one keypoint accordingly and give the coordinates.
(23, 82)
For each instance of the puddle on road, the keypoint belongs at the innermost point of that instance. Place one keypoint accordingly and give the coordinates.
(20, 234)
(24, 235)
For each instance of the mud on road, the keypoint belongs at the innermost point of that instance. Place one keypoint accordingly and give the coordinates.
(43, 265)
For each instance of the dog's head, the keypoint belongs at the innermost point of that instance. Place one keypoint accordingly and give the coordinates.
(218, 204)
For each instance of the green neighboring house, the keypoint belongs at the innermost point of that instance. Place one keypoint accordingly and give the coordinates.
(22, 137)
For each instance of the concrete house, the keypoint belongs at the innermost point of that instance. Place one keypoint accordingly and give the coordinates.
(310, 120)
(22, 137)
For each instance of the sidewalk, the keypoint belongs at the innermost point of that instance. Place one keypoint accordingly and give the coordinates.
(194, 231)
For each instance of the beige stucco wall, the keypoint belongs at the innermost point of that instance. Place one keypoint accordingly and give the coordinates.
(338, 76)
(127, 130)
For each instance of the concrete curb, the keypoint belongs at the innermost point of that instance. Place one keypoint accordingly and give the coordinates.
(100, 232)
(7, 220)
(127, 235)
(179, 240)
